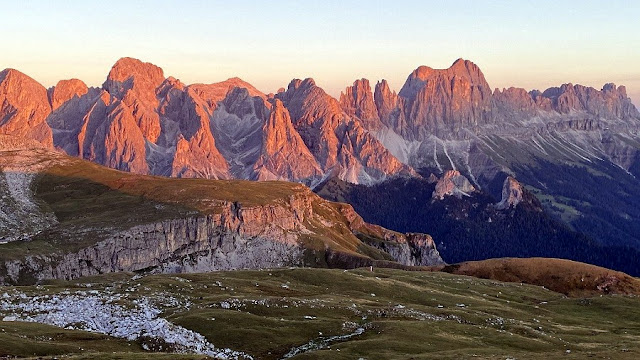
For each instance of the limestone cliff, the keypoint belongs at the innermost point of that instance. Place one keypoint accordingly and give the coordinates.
(113, 221)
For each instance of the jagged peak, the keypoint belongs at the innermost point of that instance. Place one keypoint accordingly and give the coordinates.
(218, 91)
(422, 72)
(611, 87)
(459, 67)
(239, 83)
(73, 82)
(382, 83)
(361, 82)
(462, 63)
(571, 88)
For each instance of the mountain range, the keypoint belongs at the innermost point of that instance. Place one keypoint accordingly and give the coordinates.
(575, 148)
(142, 122)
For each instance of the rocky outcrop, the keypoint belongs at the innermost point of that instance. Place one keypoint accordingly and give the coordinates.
(610, 102)
(182, 245)
(511, 194)
(452, 183)
(135, 84)
(235, 238)
(110, 136)
(65, 91)
(409, 249)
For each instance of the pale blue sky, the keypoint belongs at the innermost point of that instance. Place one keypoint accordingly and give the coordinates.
(531, 44)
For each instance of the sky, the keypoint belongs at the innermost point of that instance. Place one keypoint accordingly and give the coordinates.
(530, 44)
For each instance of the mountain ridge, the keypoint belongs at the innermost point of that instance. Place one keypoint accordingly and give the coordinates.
(560, 143)
(449, 104)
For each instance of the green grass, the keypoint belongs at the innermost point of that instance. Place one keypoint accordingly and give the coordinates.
(498, 320)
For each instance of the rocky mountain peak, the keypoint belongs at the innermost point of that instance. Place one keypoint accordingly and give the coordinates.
(442, 101)
(511, 194)
(66, 90)
(386, 101)
(129, 73)
(236, 82)
(469, 69)
(24, 107)
(301, 84)
(358, 100)
(452, 183)
(460, 68)
(284, 154)
(216, 92)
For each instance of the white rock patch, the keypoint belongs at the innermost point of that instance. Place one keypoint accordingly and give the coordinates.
(99, 313)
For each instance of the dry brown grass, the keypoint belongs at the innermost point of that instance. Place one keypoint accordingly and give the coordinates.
(564, 276)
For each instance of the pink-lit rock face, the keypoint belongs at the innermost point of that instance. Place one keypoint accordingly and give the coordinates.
(24, 107)
(135, 83)
(284, 154)
(196, 153)
(440, 101)
(339, 142)
(357, 100)
(142, 122)
(452, 183)
(65, 91)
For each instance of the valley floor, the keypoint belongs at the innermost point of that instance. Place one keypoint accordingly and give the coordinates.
(313, 314)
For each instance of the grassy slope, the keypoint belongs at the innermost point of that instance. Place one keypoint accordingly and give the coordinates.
(91, 201)
(498, 320)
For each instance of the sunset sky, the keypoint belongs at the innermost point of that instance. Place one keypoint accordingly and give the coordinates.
(530, 44)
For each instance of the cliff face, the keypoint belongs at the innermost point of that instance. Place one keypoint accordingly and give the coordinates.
(409, 249)
(170, 225)
(198, 244)
(511, 194)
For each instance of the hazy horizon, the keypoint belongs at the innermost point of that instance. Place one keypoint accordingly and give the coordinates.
(529, 45)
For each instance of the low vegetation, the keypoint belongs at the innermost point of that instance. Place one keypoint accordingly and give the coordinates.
(347, 314)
